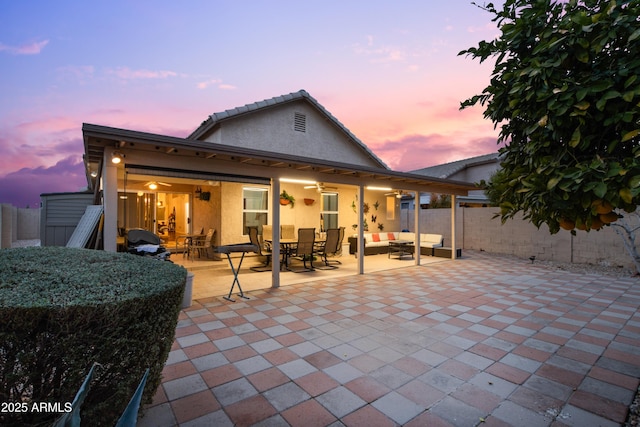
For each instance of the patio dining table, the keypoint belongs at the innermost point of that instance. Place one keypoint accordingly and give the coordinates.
(286, 246)
(285, 250)
(187, 241)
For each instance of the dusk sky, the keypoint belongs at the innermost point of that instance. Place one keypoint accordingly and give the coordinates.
(389, 71)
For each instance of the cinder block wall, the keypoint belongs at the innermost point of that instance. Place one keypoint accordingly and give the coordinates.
(438, 221)
(18, 224)
(28, 224)
(7, 218)
(478, 230)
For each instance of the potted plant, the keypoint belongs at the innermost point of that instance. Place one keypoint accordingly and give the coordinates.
(286, 198)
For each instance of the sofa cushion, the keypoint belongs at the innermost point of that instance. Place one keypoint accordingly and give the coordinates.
(403, 235)
(381, 240)
(431, 240)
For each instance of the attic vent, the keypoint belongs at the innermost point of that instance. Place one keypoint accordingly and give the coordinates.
(299, 122)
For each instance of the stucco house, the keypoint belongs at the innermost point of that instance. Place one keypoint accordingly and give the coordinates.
(472, 169)
(228, 175)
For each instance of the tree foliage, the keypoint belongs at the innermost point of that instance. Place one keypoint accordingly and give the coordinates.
(565, 92)
(438, 200)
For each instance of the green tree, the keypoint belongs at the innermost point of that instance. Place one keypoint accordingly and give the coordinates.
(438, 200)
(565, 92)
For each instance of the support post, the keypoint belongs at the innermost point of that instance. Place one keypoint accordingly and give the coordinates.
(416, 219)
(110, 201)
(360, 208)
(453, 226)
(275, 225)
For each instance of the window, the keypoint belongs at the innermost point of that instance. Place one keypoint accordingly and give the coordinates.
(329, 213)
(255, 208)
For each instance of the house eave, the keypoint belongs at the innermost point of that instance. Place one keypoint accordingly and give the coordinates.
(97, 138)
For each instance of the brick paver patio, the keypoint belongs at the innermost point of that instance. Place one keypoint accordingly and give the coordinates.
(482, 340)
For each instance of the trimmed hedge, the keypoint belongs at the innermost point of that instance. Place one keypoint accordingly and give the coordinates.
(63, 309)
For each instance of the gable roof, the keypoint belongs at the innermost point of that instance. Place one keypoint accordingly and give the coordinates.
(216, 118)
(446, 170)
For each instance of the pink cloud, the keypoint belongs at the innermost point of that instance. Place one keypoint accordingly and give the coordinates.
(22, 188)
(379, 53)
(77, 72)
(413, 152)
(215, 82)
(206, 84)
(126, 73)
(39, 142)
(25, 49)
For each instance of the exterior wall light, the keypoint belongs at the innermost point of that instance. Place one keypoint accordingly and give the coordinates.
(116, 157)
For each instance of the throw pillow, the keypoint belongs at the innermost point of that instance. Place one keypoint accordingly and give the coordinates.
(375, 237)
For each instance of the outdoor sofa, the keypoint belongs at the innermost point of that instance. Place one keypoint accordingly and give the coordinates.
(378, 243)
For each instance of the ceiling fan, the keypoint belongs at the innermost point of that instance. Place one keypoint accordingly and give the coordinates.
(154, 184)
(320, 187)
(397, 193)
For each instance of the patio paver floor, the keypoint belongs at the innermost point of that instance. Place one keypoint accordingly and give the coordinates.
(482, 340)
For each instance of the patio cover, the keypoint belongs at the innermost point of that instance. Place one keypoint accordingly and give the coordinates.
(202, 157)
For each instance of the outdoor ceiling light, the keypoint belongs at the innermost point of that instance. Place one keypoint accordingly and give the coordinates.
(153, 186)
(379, 188)
(297, 181)
(116, 157)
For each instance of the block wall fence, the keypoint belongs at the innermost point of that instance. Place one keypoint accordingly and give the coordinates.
(478, 230)
(18, 224)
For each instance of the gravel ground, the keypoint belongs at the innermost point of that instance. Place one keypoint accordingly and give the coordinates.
(25, 243)
(606, 270)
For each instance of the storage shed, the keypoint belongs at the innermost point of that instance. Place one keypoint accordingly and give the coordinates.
(60, 214)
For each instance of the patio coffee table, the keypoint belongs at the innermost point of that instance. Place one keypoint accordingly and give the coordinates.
(228, 250)
(400, 248)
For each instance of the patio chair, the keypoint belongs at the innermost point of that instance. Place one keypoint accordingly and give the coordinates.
(330, 248)
(303, 250)
(287, 231)
(201, 245)
(267, 234)
(183, 243)
(253, 237)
